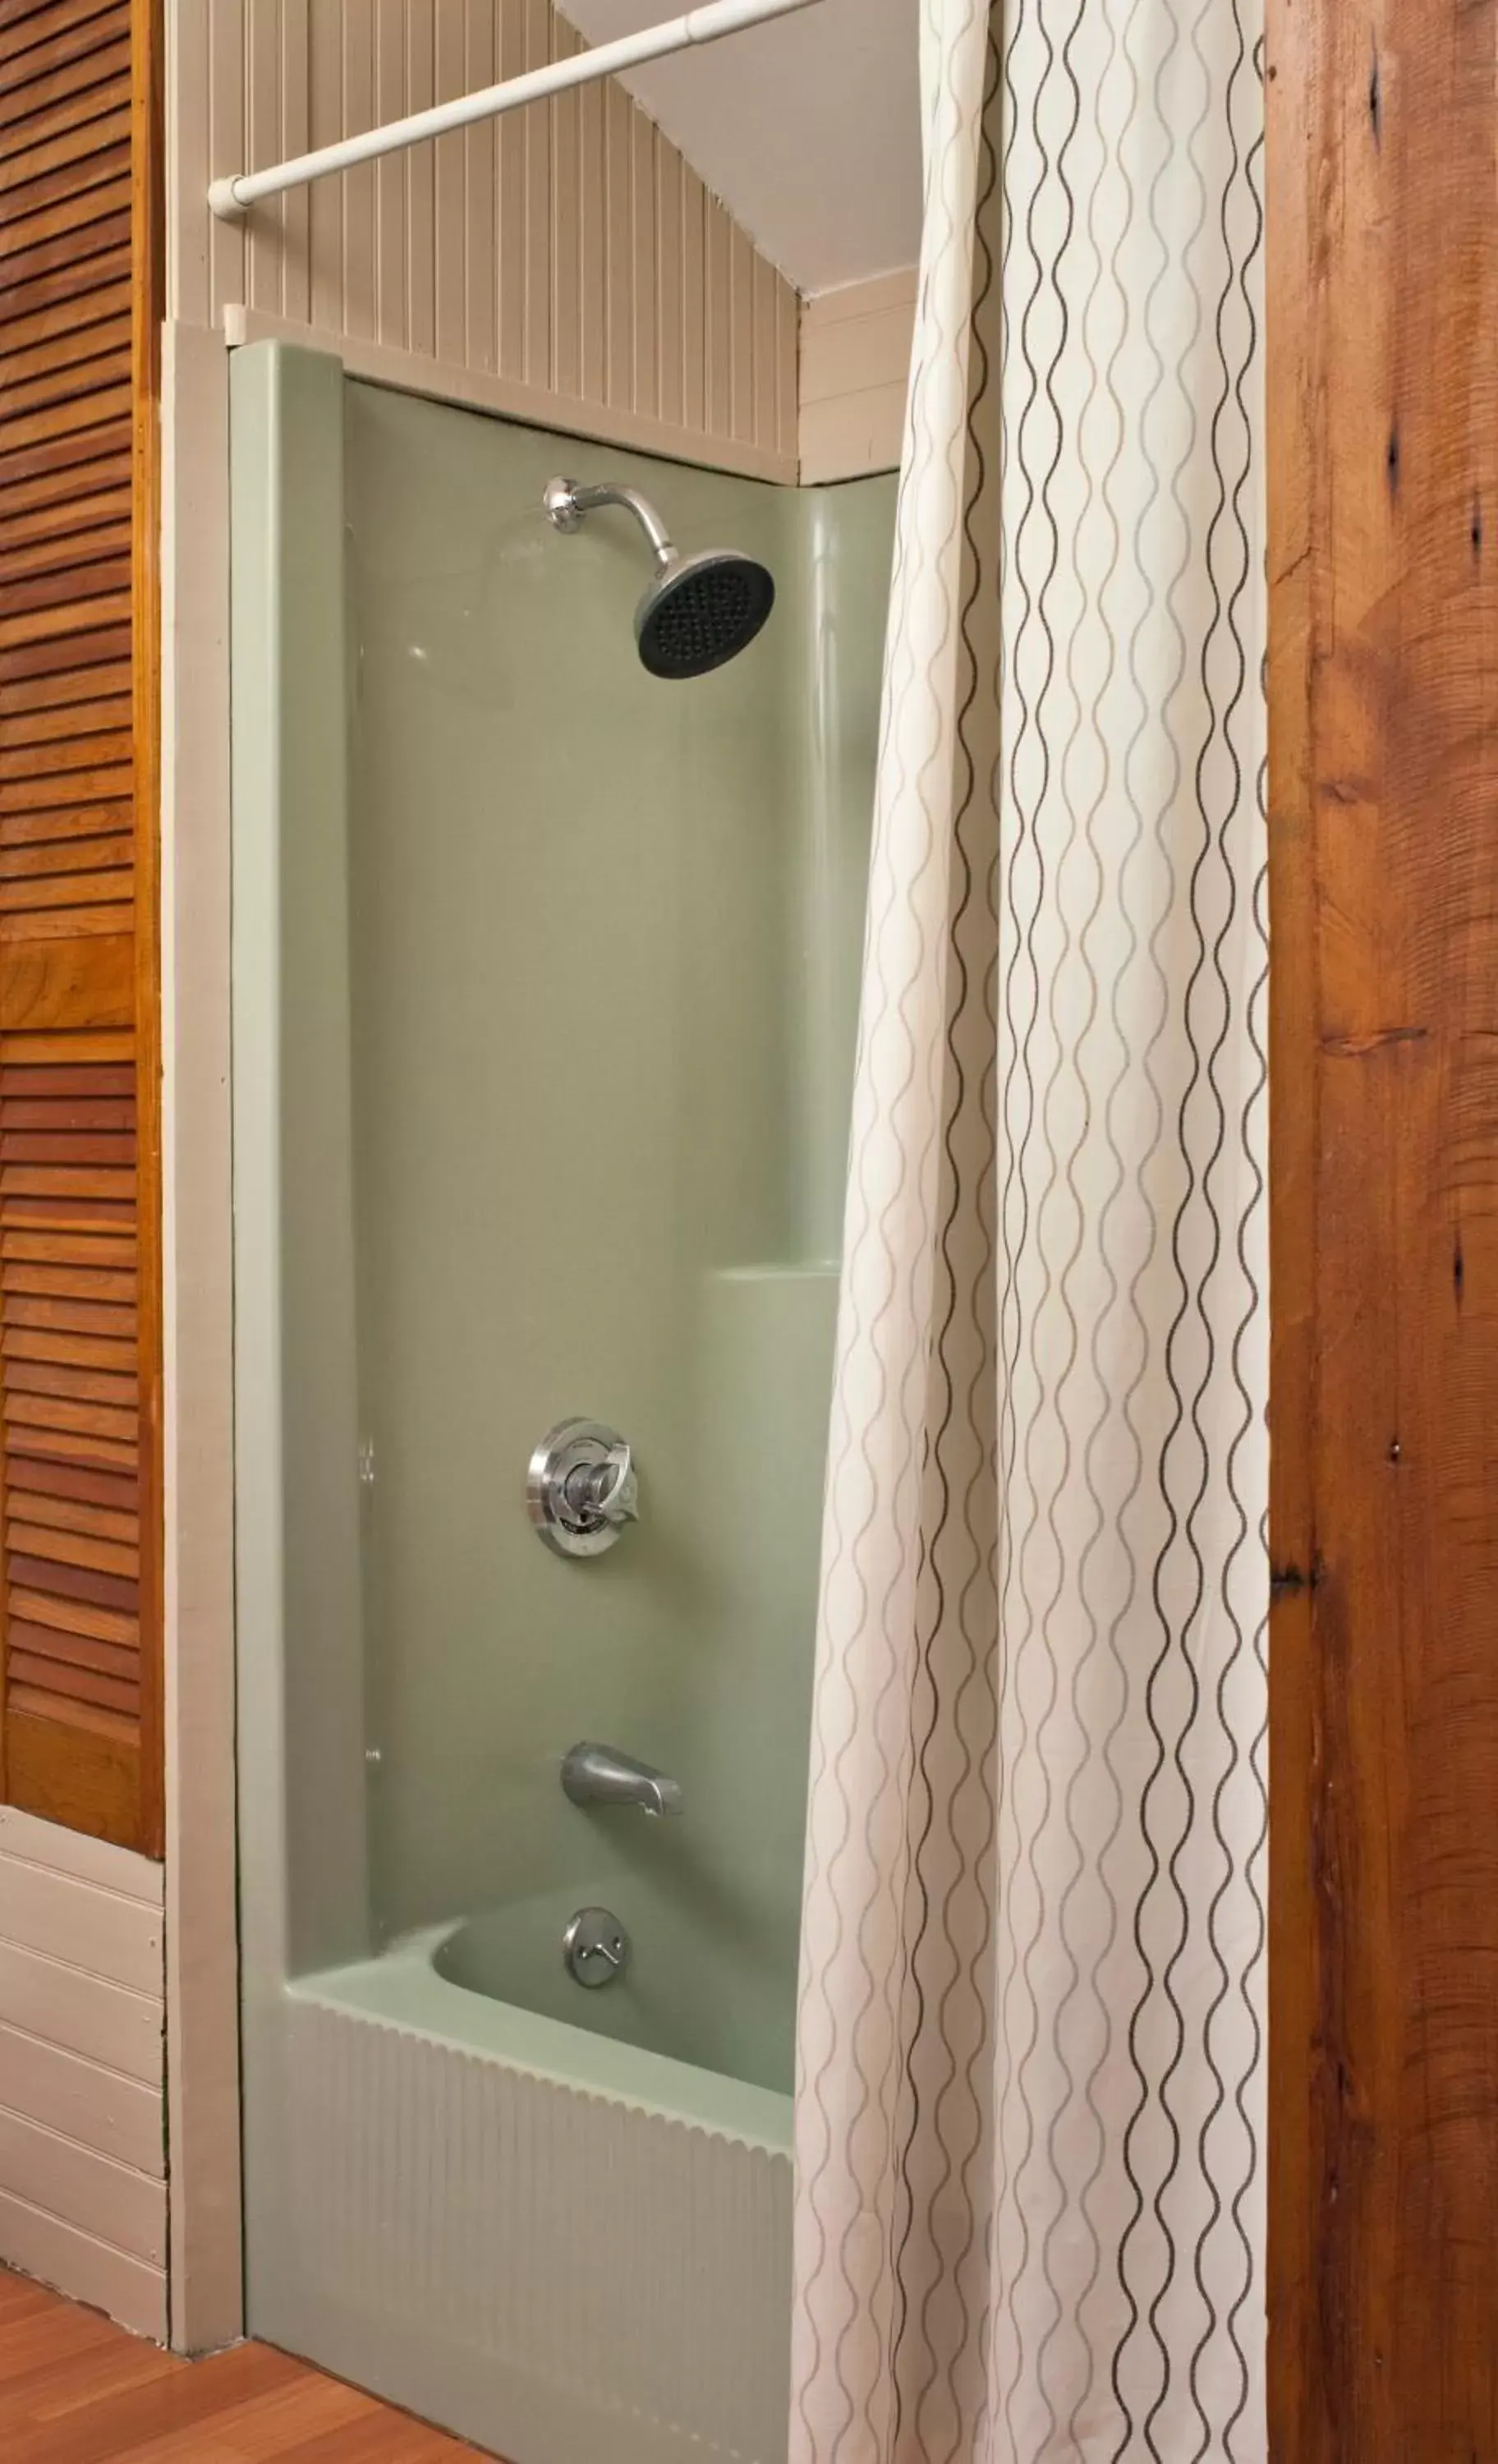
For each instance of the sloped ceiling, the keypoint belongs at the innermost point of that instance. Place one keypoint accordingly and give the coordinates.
(808, 128)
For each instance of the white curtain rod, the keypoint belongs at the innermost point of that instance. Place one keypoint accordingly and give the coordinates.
(234, 196)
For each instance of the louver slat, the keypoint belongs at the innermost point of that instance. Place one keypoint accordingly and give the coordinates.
(79, 1648)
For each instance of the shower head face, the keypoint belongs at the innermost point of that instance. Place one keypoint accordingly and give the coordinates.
(702, 612)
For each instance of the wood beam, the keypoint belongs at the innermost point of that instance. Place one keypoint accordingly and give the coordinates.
(1382, 344)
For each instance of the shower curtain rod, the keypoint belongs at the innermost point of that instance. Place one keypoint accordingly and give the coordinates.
(231, 197)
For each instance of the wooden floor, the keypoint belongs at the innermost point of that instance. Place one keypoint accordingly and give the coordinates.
(75, 2389)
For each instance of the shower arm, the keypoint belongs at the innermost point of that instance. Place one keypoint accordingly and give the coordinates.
(566, 506)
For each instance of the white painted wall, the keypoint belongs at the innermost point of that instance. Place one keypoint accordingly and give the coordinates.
(82, 2158)
(855, 358)
(808, 129)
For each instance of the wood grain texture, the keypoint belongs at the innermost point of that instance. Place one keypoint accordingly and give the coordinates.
(1383, 684)
(80, 1141)
(148, 37)
(75, 2389)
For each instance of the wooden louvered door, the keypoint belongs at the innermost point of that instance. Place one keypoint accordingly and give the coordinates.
(79, 1314)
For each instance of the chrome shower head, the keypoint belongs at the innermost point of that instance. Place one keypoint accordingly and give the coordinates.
(700, 610)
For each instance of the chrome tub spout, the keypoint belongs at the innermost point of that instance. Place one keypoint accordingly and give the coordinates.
(602, 1775)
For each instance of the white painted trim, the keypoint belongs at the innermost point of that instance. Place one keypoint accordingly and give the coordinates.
(504, 398)
(202, 1930)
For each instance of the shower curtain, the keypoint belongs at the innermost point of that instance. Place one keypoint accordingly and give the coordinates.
(1030, 2122)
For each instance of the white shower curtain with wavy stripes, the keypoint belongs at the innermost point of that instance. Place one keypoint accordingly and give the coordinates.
(1030, 2088)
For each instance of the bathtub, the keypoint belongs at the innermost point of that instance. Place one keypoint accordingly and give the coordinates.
(553, 2241)
(679, 1995)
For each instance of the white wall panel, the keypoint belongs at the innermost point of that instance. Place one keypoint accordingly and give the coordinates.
(82, 2167)
(856, 357)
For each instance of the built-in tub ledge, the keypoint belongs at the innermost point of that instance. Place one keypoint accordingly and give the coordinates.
(402, 1988)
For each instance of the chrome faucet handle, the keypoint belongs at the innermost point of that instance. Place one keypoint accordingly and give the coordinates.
(581, 1489)
(608, 1490)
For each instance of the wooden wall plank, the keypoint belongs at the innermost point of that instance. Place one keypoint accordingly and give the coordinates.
(1382, 344)
(449, 188)
(514, 230)
(357, 186)
(98, 1930)
(267, 232)
(669, 314)
(717, 306)
(95, 1862)
(325, 197)
(294, 74)
(115, 2117)
(565, 115)
(538, 28)
(130, 2290)
(420, 195)
(741, 336)
(62, 2005)
(646, 272)
(764, 284)
(592, 212)
(693, 296)
(390, 178)
(481, 197)
(82, 2155)
(225, 109)
(83, 2188)
(619, 250)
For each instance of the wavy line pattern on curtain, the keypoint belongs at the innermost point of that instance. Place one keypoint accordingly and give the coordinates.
(1029, 2127)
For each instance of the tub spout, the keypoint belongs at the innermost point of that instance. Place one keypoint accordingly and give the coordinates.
(602, 1775)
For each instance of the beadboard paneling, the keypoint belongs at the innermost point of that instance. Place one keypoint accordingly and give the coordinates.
(567, 251)
(82, 2164)
(854, 367)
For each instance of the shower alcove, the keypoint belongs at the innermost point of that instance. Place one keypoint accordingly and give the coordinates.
(545, 976)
